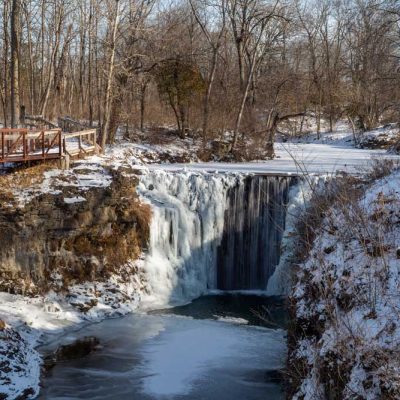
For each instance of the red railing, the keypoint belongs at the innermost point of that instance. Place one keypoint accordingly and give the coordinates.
(23, 145)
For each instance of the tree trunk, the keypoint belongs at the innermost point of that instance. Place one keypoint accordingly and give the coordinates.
(271, 136)
(272, 128)
(31, 71)
(90, 95)
(142, 104)
(52, 63)
(4, 95)
(109, 91)
(207, 97)
(243, 102)
(15, 36)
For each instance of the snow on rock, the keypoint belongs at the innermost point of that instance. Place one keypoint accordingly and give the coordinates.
(53, 181)
(232, 320)
(347, 299)
(380, 138)
(19, 365)
(73, 200)
(33, 321)
(133, 154)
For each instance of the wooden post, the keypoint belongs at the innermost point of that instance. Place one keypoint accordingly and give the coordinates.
(2, 145)
(24, 145)
(43, 152)
(60, 142)
(22, 116)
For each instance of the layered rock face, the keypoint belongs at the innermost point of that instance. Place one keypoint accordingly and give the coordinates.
(81, 228)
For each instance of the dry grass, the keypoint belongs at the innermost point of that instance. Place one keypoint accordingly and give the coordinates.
(25, 178)
(337, 213)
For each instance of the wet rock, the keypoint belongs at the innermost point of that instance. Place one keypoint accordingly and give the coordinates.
(274, 376)
(2, 325)
(79, 349)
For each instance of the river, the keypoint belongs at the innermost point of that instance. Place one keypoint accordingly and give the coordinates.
(216, 347)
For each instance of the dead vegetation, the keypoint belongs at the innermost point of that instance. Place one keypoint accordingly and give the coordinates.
(22, 179)
(344, 340)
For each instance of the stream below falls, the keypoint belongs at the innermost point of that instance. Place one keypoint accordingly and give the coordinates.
(216, 347)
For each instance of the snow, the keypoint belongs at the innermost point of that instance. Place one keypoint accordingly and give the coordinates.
(295, 159)
(350, 283)
(380, 137)
(22, 367)
(80, 177)
(73, 200)
(232, 320)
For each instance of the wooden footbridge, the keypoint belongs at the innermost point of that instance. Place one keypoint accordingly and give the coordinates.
(23, 145)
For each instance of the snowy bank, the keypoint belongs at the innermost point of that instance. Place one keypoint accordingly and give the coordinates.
(34, 321)
(345, 342)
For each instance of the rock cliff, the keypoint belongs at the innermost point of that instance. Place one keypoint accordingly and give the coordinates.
(81, 224)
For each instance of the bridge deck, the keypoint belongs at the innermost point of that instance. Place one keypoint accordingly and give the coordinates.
(22, 145)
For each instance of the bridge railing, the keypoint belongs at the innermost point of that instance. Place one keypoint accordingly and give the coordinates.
(24, 145)
(80, 143)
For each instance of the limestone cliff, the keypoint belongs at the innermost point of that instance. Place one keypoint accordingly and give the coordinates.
(81, 224)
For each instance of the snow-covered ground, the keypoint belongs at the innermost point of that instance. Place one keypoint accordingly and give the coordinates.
(347, 300)
(297, 159)
(80, 179)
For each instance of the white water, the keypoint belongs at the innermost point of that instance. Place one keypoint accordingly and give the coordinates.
(189, 214)
(186, 229)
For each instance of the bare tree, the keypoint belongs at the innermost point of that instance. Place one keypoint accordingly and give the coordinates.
(215, 40)
(252, 64)
(15, 50)
(113, 28)
(256, 27)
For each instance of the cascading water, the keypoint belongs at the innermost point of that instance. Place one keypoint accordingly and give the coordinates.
(253, 230)
(212, 231)
(186, 227)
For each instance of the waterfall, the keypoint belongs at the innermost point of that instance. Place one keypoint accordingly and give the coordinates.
(253, 229)
(211, 231)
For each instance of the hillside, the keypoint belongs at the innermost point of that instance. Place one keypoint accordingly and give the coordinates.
(345, 340)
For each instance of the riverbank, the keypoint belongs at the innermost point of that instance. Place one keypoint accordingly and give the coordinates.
(71, 253)
(33, 321)
(345, 338)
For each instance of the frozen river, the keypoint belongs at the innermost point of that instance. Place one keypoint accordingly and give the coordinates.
(297, 159)
(201, 351)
